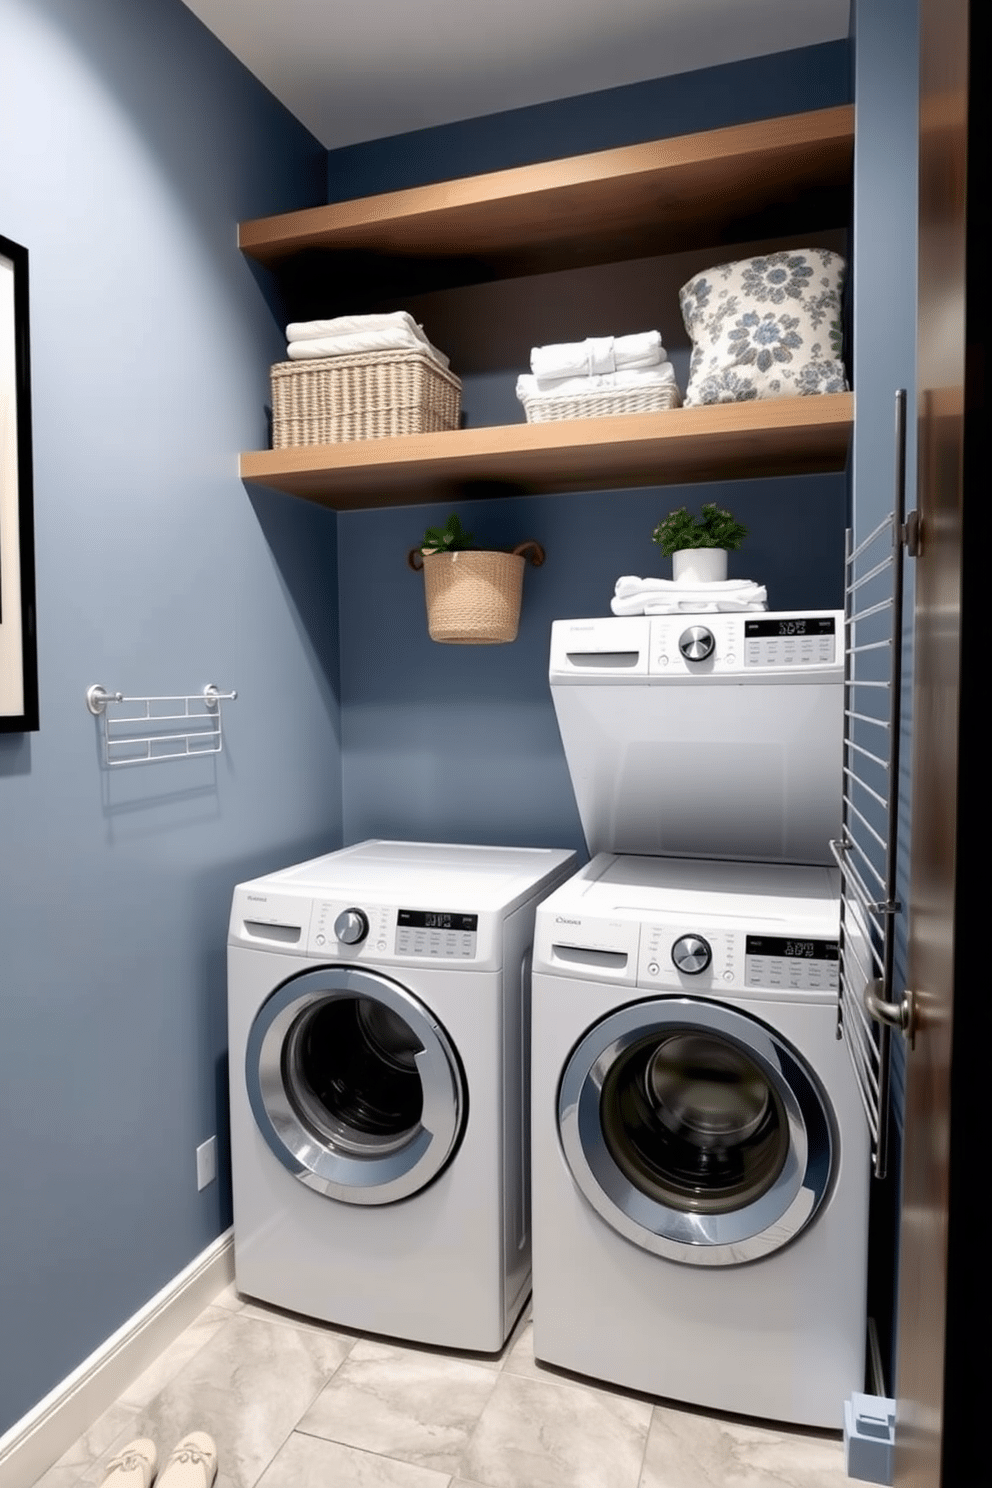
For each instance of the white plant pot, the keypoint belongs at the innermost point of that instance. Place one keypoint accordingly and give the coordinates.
(699, 565)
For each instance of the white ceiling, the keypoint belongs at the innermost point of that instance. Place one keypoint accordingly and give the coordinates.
(354, 70)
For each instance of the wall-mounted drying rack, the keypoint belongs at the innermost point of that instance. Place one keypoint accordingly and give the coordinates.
(140, 730)
(867, 851)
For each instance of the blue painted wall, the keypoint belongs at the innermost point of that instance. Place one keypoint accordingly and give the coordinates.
(460, 743)
(885, 270)
(130, 145)
(711, 98)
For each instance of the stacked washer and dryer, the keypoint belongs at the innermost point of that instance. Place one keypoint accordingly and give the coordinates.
(699, 1147)
(699, 1154)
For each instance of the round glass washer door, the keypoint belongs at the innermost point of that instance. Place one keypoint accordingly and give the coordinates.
(355, 1087)
(695, 1131)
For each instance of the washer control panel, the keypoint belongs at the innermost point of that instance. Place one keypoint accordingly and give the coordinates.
(732, 644)
(676, 956)
(782, 962)
(794, 640)
(379, 932)
(348, 929)
(673, 956)
(431, 932)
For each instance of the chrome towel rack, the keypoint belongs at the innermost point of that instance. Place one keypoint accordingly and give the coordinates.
(144, 730)
(868, 850)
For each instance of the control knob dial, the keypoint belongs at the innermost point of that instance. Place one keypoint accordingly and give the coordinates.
(351, 926)
(697, 643)
(691, 954)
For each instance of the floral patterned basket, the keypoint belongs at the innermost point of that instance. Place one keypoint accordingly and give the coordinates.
(765, 327)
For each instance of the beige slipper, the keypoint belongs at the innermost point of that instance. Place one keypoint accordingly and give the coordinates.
(193, 1463)
(134, 1466)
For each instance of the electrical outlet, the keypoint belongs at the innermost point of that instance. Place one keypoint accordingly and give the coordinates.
(206, 1162)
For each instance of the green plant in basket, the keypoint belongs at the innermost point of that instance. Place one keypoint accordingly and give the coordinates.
(713, 528)
(451, 538)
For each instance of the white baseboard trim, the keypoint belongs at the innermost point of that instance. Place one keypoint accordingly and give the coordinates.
(36, 1441)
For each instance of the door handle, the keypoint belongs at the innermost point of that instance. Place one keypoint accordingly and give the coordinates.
(901, 1014)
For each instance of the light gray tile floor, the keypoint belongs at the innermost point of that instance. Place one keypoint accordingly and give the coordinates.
(296, 1404)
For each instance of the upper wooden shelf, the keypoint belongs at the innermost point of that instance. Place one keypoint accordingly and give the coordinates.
(774, 436)
(614, 204)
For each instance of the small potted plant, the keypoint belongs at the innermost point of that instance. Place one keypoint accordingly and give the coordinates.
(698, 546)
(473, 594)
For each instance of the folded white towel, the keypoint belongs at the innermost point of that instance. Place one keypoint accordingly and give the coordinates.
(702, 607)
(358, 342)
(597, 354)
(631, 584)
(529, 386)
(348, 325)
(634, 596)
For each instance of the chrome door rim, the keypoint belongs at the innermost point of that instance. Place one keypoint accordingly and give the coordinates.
(745, 1234)
(347, 1174)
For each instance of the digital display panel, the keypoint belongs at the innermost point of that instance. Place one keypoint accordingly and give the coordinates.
(794, 949)
(437, 919)
(819, 625)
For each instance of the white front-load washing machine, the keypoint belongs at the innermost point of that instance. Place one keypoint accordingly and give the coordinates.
(378, 1055)
(699, 1148)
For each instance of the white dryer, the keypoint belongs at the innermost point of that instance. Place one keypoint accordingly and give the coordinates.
(378, 1056)
(699, 1147)
(709, 736)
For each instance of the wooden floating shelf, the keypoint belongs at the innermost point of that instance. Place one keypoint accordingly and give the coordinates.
(630, 202)
(662, 196)
(724, 441)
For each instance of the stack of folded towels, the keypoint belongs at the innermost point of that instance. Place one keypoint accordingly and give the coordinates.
(354, 335)
(598, 364)
(634, 596)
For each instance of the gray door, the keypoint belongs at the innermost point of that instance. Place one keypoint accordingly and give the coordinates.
(695, 1131)
(354, 1085)
(925, 1381)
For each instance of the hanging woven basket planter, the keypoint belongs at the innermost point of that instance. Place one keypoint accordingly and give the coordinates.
(473, 596)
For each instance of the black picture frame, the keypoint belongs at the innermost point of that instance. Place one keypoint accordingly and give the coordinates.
(18, 618)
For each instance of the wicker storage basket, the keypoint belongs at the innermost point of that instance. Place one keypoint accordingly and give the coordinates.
(542, 408)
(333, 399)
(473, 597)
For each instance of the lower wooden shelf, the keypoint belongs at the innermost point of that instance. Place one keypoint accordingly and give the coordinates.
(725, 441)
